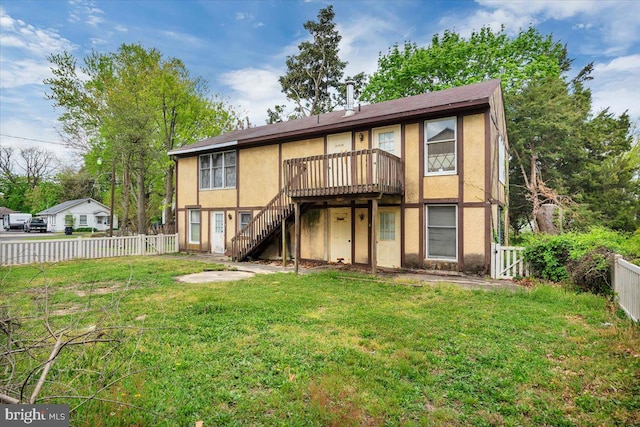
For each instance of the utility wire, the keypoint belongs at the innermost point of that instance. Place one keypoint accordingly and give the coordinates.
(33, 139)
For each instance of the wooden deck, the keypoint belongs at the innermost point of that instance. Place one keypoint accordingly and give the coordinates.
(370, 172)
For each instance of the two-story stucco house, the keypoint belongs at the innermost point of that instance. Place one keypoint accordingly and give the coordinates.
(414, 182)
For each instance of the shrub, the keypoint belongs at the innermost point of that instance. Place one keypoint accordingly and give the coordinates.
(591, 272)
(585, 258)
(547, 256)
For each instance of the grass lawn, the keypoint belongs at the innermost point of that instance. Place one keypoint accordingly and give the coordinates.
(322, 349)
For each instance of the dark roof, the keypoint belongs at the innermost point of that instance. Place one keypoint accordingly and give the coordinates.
(381, 113)
(5, 210)
(65, 205)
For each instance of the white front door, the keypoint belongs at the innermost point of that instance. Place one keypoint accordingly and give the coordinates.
(340, 232)
(388, 237)
(217, 232)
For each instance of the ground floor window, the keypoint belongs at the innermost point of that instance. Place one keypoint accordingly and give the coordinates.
(387, 226)
(442, 232)
(194, 226)
(245, 219)
(83, 220)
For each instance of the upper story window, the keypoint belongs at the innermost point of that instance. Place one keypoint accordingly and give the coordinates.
(385, 141)
(502, 160)
(440, 150)
(218, 170)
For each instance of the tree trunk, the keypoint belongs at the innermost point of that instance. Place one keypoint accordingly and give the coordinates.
(142, 203)
(126, 195)
(533, 192)
(545, 219)
(169, 219)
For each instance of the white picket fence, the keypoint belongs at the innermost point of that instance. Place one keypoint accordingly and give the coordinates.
(507, 262)
(626, 285)
(33, 251)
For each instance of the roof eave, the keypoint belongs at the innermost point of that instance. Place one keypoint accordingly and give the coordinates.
(378, 119)
(180, 151)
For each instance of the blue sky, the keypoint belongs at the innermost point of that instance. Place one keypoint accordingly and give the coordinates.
(240, 47)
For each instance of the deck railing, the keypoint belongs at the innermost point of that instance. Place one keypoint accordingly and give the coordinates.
(349, 173)
(34, 251)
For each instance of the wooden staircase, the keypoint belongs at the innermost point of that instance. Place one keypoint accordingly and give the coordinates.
(266, 223)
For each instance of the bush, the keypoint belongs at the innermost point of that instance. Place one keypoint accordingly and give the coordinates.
(591, 272)
(547, 256)
(585, 258)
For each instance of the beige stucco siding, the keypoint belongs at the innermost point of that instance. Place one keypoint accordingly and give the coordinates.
(187, 179)
(412, 163)
(230, 227)
(412, 236)
(258, 175)
(218, 198)
(313, 233)
(364, 144)
(303, 148)
(441, 187)
(474, 158)
(474, 237)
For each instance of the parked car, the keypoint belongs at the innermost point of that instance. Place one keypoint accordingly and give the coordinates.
(35, 224)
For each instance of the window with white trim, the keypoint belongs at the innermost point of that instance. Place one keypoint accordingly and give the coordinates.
(385, 141)
(83, 220)
(440, 146)
(387, 226)
(218, 170)
(194, 226)
(442, 232)
(502, 160)
(245, 219)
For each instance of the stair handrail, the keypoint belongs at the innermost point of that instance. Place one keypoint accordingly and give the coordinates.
(263, 223)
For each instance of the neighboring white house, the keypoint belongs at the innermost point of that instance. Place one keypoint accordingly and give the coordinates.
(86, 213)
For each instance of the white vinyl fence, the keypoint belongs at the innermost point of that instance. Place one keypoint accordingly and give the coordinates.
(507, 262)
(626, 285)
(32, 251)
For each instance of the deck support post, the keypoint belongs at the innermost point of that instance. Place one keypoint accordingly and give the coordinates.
(297, 227)
(374, 243)
(284, 242)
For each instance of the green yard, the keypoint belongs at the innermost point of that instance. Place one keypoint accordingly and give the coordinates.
(320, 349)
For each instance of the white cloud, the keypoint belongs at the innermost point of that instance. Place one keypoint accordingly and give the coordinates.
(86, 11)
(615, 85)
(24, 72)
(36, 42)
(254, 90)
(616, 23)
(495, 19)
(360, 44)
(183, 38)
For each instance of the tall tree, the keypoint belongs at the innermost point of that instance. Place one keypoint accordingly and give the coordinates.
(313, 78)
(544, 122)
(451, 60)
(129, 108)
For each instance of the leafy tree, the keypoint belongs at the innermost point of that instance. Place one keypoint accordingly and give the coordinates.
(313, 78)
(452, 60)
(129, 109)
